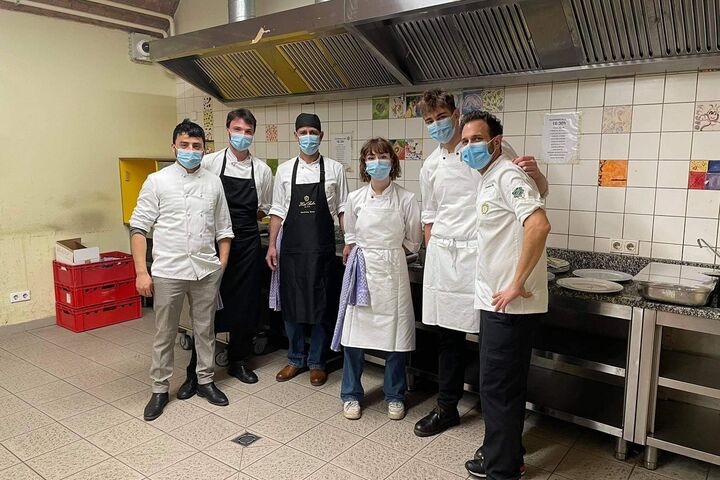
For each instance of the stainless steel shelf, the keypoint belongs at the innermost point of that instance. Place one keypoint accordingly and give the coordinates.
(687, 430)
(690, 373)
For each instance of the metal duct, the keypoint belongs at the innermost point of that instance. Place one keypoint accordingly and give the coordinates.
(239, 10)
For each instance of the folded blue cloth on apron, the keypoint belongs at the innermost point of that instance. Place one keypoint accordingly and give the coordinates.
(275, 277)
(354, 291)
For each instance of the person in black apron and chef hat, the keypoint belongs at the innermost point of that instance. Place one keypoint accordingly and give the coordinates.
(309, 190)
(247, 182)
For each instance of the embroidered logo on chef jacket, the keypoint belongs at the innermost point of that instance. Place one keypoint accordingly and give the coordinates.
(485, 208)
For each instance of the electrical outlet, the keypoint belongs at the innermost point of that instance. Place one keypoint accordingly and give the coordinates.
(23, 296)
(631, 247)
(616, 245)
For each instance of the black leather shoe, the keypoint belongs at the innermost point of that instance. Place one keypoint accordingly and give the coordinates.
(476, 466)
(212, 394)
(155, 406)
(437, 421)
(242, 373)
(187, 389)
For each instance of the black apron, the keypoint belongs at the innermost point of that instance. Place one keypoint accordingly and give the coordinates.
(309, 287)
(240, 287)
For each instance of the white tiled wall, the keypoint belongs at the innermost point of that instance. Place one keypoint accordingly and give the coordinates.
(655, 208)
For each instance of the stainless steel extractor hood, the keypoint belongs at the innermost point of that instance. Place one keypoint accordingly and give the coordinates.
(348, 47)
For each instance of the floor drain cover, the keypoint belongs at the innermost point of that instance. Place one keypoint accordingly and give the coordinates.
(246, 439)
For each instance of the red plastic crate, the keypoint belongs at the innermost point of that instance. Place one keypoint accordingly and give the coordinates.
(112, 267)
(82, 319)
(95, 295)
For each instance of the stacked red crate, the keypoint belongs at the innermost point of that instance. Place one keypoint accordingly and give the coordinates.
(96, 294)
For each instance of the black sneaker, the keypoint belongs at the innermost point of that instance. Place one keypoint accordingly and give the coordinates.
(476, 466)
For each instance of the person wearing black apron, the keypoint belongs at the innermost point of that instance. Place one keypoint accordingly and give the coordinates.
(240, 287)
(308, 276)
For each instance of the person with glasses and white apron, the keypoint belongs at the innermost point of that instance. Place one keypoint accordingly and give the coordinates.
(382, 219)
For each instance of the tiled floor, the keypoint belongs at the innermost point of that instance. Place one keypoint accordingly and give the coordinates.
(71, 407)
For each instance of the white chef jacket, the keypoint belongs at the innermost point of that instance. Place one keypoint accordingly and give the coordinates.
(507, 197)
(241, 169)
(409, 211)
(189, 214)
(336, 187)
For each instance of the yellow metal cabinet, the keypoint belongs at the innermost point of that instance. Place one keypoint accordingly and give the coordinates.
(133, 172)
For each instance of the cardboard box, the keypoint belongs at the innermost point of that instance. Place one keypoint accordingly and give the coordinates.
(72, 252)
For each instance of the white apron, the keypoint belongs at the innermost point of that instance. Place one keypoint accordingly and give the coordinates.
(449, 274)
(388, 324)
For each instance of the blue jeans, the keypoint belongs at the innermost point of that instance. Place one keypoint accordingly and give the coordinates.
(319, 341)
(395, 383)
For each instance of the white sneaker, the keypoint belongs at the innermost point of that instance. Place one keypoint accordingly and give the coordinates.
(396, 410)
(351, 410)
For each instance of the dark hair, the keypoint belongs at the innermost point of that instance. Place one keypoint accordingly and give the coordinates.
(379, 145)
(491, 120)
(190, 128)
(243, 114)
(436, 98)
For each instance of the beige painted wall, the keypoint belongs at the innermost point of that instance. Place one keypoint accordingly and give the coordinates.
(194, 15)
(72, 103)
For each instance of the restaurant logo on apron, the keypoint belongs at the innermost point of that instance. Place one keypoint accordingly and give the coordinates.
(306, 205)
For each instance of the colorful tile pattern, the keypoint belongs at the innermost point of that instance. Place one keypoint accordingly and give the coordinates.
(380, 108)
(412, 107)
(707, 117)
(617, 119)
(493, 99)
(704, 175)
(208, 120)
(613, 173)
(271, 133)
(408, 148)
(397, 107)
(472, 100)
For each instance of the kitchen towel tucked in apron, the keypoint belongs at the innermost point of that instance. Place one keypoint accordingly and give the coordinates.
(354, 291)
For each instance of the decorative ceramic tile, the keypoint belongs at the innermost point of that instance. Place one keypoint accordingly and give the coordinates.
(712, 181)
(472, 100)
(707, 117)
(93, 421)
(397, 107)
(325, 442)
(318, 406)
(271, 133)
(156, 455)
(493, 99)
(110, 469)
(197, 467)
(699, 165)
(370, 460)
(67, 460)
(617, 119)
(613, 173)
(400, 147)
(273, 164)
(412, 109)
(283, 426)
(206, 431)
(415, 469)
(238, 456)
(413, 149)
(40, 441)
(458, 98)
(380, 108)
(284, 463)
(696, 180)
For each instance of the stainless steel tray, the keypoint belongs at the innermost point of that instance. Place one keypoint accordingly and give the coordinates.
(691, 296)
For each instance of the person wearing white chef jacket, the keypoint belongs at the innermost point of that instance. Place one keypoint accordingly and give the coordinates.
(449, 191)
(383, 220)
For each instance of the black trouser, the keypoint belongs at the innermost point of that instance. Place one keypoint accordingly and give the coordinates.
(451, 367)
(505, 350)
(240, 349)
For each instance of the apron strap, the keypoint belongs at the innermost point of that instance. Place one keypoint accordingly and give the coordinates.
(222, 170)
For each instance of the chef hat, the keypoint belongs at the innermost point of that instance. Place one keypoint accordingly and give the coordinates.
(307, 120)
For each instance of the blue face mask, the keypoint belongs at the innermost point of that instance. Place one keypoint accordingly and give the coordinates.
(189, 158)
(309, 144)
(240, 142)
(378, 169)
(476, 155)
(442, 130)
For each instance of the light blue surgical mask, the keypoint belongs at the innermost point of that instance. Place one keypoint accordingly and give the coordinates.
(309, 144)
(476, 155)
(189, 159)
(240, 142)
(379, 169)
(442, 130)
